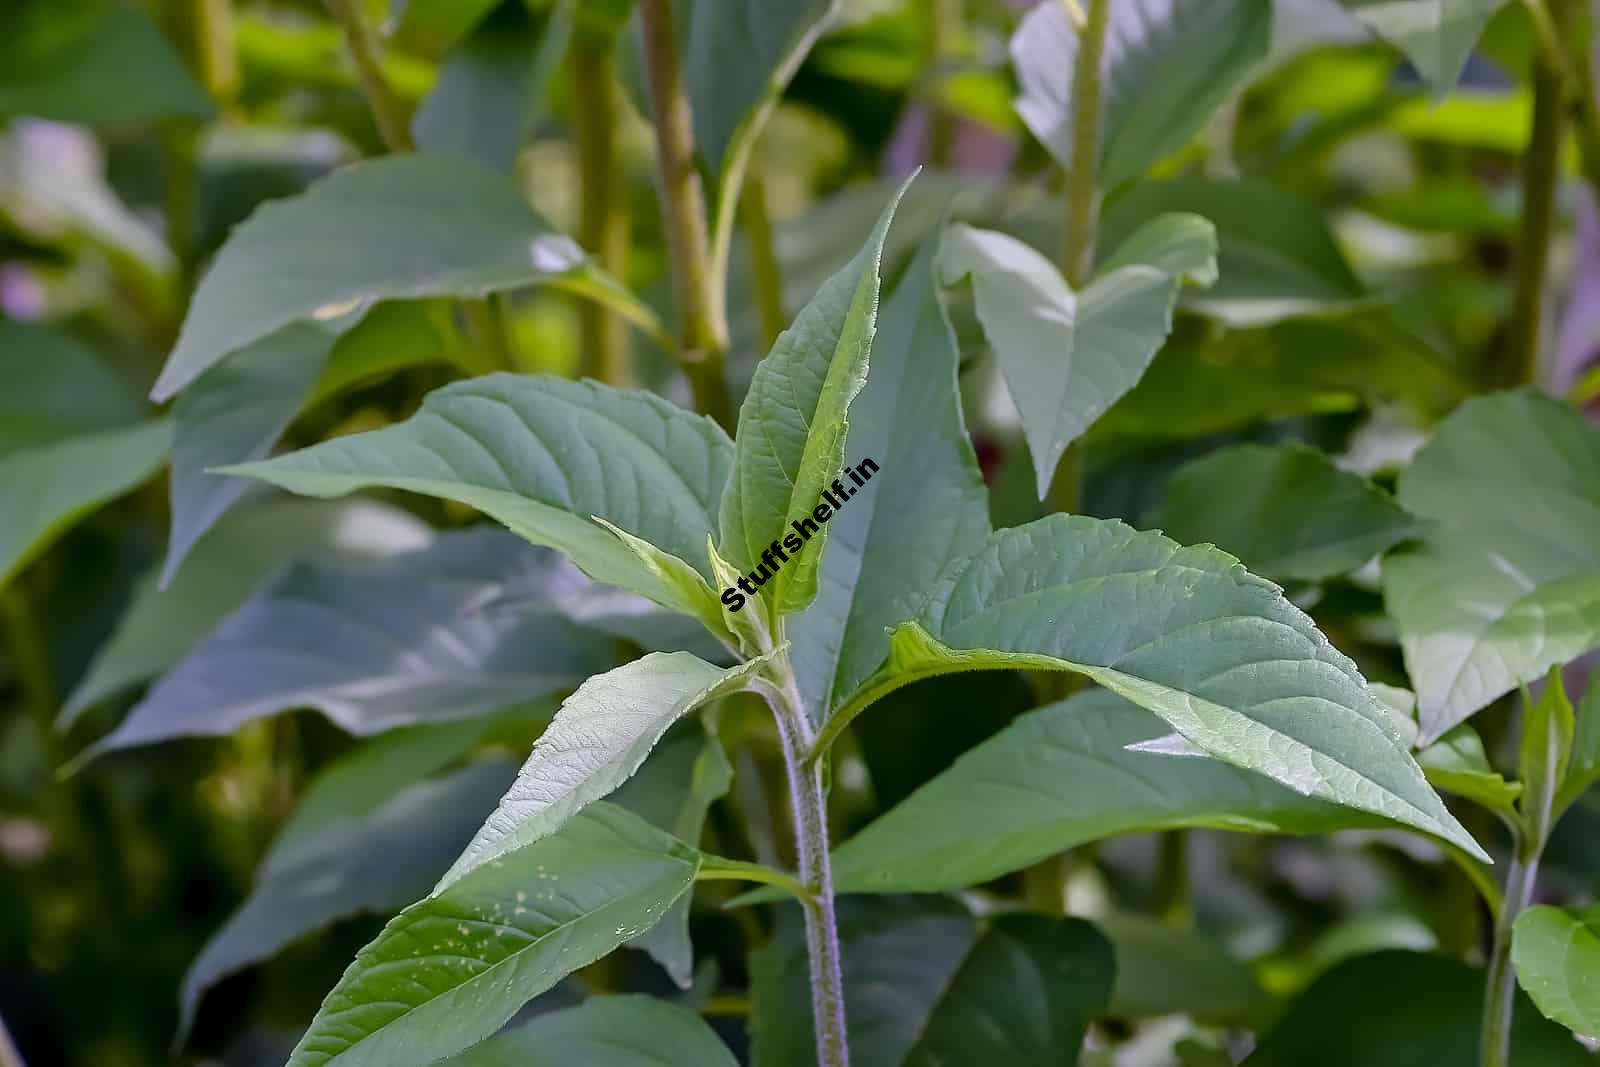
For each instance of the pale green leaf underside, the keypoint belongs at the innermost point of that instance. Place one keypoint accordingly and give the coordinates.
(792, 426)
(450, 970)
(597, 740)
(1187, 633)
(1457, 763)
(1068, 356)
(1505, 582)
(1436, 35)
(1557, 956)
(605, 1031)
(545, 457)
(403, 226)
(1169, 64)
(1056, 778)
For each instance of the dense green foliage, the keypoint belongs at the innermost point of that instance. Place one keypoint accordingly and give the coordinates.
(396, 396)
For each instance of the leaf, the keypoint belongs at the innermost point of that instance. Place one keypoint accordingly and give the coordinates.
(1056, 778)
(597, 740)
(735, 56)
(374, 647)
(1400, 1009)
(403, 226)
(1583, 766)
(1457, 764)
(792, 426)
(1187, 633)
(901, 528)
(1169, 65)
(1275, 255)
(233, 413)
(160, 626)
(543, 456)
(1547, 728)
(450, 970)
(1285, 510)
(377, 864)
(1557, 956)
(71, 439)
(1163, 971)
(93, 62)
(925, 984)
(1067, 357)
(1436, 35)
(607, 1031)
(1505, 582)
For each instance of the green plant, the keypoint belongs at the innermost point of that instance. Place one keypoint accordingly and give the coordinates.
(888, 851)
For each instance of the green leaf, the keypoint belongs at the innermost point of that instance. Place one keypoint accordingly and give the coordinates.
(926, 508)
(1067, 357)
(1583, 766)
(71, 439)
(926, 984)
(1276, 257)
(234, 413)
(1164, 971)
(792, 426)
(1505, 582)
(1457, 764)
(161, 626)
(610, 1031)
(1285, 510)
(373, 647)
(1169, 65)
(92, 62)
(1401, 1009)
(376, 864)
(546, 456)
(1187, 633)
(450, 970)
(1547, 728)
(1062, 776)
(1557, 956)
(1436, 35)
(597, 740)
(402, 226)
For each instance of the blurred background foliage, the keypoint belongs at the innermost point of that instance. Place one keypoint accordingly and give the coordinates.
(1368, 244)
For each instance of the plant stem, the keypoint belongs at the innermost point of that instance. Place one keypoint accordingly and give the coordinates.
(1083, 192)
(387, 110)
(1540, 175)
(810, 812)
(1551, 29)
(204, 33)
(603, 229)
(944, 29)
(764, 262)
(1500, 990)
(703, 336)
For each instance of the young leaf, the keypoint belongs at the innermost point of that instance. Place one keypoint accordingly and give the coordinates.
(1059, 777)
(71, 439)
(1457, 764)
(375, 647)
(1557, 956)
(1547, 727)
(234, 413)
(1436, 35)
(925, 984)
(1505, 583)
(1276, 257)
(1067, 357)
(402, 226)
(1169, 64)
(377, 864)
(1187, 633)
(450, 970)
(601, 735)
(1285, 510)
(926, 508)
(1583, 766)
(161, 626)
(546, 457)
(792, 426)
(606, 1031)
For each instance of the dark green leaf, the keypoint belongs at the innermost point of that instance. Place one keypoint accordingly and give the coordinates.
(1165, 971)
(613, 1031)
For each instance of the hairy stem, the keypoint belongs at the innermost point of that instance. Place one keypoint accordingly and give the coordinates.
(809, 803)
(387, 110)
(763, 256)
(1494, 1045)
(603, 229)
(1540, 175)
(703, 336)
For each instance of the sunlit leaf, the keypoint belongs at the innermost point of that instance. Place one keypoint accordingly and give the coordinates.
(1557, 956)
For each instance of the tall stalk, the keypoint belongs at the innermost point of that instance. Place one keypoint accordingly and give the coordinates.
(703, 333)
(603, 228)
(1494, 1045)
(1541, 174)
